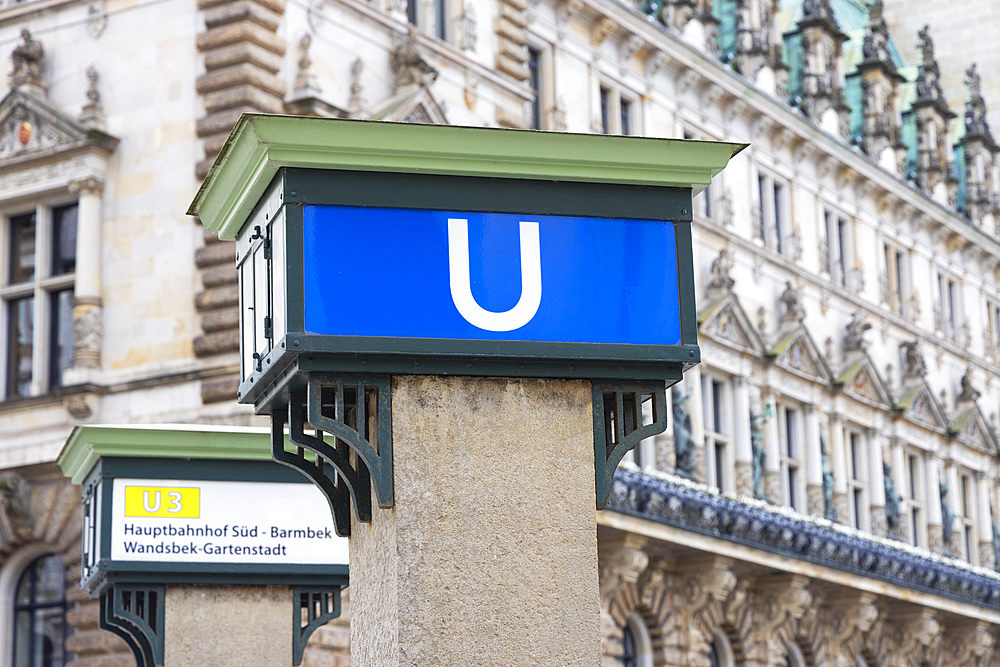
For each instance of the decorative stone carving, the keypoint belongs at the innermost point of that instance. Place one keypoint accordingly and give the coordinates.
(934, 173)
(757, 424)
(305, 80)
(829, 511)
(722, 282)
(603, 28)
(892, 499)
(914, 365)
(93, 114)
(968, 392)
(357, 105)
(854, 335)
(27, 64)
(684, 445)
(947, 514)
(791, 299)
(15, 520)
(97, 18)
(409, 67)
(467, 25)
(87, 333)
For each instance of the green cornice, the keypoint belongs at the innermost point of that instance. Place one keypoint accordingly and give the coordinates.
(88, 444)
(260, 144)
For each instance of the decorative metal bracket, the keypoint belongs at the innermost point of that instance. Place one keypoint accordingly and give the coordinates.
(618, 425)
(313, 607)
(356, 411)
(135, 613)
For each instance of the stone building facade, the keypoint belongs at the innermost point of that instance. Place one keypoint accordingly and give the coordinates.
(826, 488)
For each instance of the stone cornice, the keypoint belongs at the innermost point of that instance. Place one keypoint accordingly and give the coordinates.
(724, 518)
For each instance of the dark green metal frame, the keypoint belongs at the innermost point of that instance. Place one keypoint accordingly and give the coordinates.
(135, 613)
(618, 425)
(296, 354)
(311, 609)
(106, 572)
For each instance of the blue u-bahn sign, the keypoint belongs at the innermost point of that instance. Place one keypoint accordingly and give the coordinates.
(489, 276)
(410, 273)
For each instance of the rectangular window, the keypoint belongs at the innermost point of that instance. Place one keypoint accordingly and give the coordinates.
(967, 517)
(895, 279)
(625, 109)
(839, 259)
(993, 329)
(774, 229)
(716, 409)
(37, 299)
(534, 80)
(948, 307)
(857, 506)
(441, 19)
(790, 452)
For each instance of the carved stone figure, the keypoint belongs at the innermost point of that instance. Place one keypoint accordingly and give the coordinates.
(928, 78)
(685, 464)
(975, 107)
(757, 422)
(27, 60)
(947, 515)
(829, 511)
(791, 299)
(968, 393)
(892, 498)
(15, 522)
(722, 282)
(408, 66)
(854, 336)
(914, 365)
(996, 540)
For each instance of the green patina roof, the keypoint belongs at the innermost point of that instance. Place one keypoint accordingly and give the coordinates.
(260, 144)
(782, 344)
(87, 444)
(851, 370)
(907, 398)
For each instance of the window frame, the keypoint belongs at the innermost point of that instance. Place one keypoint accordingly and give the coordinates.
(718, 441)
(41, 288)
(896, 280)
(791, 455)
(858, 498)
(949, 305)
(774, 204)
(838, 230)
(967, 515)
(916, 505)
(610, 99)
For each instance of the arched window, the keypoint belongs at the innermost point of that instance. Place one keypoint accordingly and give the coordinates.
(720, 653)
(637, 647)
(794, 657)
(40, 614)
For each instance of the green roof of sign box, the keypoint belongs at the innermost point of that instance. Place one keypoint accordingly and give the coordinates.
(260, 144)
(86, 445)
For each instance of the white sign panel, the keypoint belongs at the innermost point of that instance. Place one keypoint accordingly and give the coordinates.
(192, 521)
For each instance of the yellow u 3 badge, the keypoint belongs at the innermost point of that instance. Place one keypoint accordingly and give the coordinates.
(167, 502)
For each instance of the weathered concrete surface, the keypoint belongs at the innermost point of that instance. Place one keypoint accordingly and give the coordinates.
(250, 626)
(490, 555)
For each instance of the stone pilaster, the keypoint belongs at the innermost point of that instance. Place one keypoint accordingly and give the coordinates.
(512, 56)
(242, 53)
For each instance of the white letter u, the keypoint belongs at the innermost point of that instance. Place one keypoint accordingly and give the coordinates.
(461, 283)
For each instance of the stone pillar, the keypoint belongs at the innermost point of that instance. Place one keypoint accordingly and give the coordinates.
(900, 478)
(696, 409)
(838, 461)
(490, 553)
(87, 288)
(984, 521)
(250, 626)
(876, 482)
(814, 464)
(742, 445)
(772, 447)
(933, 477)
